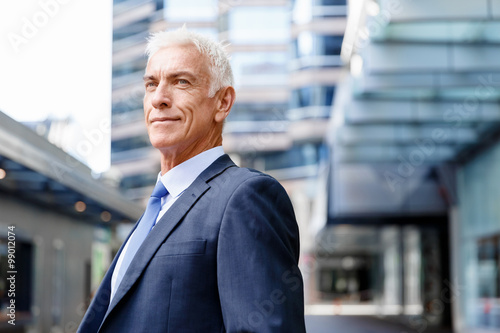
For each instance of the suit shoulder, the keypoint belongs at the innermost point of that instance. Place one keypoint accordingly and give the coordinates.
(225, 174)
(246, 174)
(249, 179)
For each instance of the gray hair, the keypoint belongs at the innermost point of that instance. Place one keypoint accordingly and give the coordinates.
(220, 67)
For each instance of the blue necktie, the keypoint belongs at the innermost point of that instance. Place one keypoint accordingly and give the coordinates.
(143, 228)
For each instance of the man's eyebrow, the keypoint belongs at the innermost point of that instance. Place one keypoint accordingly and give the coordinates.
(181, 73)
(172, 75)
(148, 77)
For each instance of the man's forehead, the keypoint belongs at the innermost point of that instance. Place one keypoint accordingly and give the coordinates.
(178, 57)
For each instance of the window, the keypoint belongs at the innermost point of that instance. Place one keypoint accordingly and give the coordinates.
(305, 10)
(312, 96)
(297, 156)
(309, 44)
(322, 2)
(130, 103)
(331, 2)
(136, 181)
(488, 263)
(332, 45)
(129, 144)
(258, 25)
(260, 68)
(302, 97)
(190, 10)
(257, 112)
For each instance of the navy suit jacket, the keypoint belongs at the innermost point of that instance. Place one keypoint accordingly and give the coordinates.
(223, 258)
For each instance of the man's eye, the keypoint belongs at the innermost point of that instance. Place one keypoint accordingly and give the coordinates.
(182, 81)
(150, 84)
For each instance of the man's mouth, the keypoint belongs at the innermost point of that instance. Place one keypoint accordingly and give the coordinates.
(163, 119)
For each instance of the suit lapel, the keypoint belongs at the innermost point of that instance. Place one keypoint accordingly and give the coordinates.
(166, 225)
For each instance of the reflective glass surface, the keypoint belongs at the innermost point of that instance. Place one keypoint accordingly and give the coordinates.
(478, 189)
(136, 181)
(312, 96)
(257, 112)
(258, 25)
(259, 68)
(309, 44)
(130, 143)
(305, 10)
(297, 156)
(190, 10)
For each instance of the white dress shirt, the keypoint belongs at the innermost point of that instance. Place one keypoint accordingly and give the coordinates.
(176, 181)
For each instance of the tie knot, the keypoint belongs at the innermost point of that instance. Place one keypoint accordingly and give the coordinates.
(159, 190)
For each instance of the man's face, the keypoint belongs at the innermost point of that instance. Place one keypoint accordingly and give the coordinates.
(178, 112)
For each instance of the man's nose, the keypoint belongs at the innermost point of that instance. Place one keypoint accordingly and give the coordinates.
(162, 97)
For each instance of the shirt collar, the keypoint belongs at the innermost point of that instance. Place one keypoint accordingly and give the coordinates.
(178, 179)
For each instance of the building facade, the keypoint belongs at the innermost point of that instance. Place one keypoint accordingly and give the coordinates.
(413, 141)
(55, 232)
(475, 234)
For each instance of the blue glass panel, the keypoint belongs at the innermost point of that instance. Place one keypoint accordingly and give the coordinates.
(258, 112)
(297, 156)
(312, 96)
(331, 2)
(308, 44)
(130, 143)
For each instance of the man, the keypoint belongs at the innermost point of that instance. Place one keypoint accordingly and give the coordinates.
(221, 255)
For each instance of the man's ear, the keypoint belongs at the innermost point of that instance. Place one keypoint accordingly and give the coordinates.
(225, 100)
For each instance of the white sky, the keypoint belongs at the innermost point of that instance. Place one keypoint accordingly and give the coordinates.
(61, 67)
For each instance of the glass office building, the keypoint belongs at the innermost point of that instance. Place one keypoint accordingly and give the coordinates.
(414, 157)
(131, 153)
(476, 236)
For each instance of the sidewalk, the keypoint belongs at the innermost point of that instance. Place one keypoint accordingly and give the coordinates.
(360, 324)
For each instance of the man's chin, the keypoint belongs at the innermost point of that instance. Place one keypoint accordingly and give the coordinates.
(162, 144)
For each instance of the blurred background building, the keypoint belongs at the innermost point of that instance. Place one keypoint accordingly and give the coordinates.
(413, 138)
(381, 118)
(55, 220)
